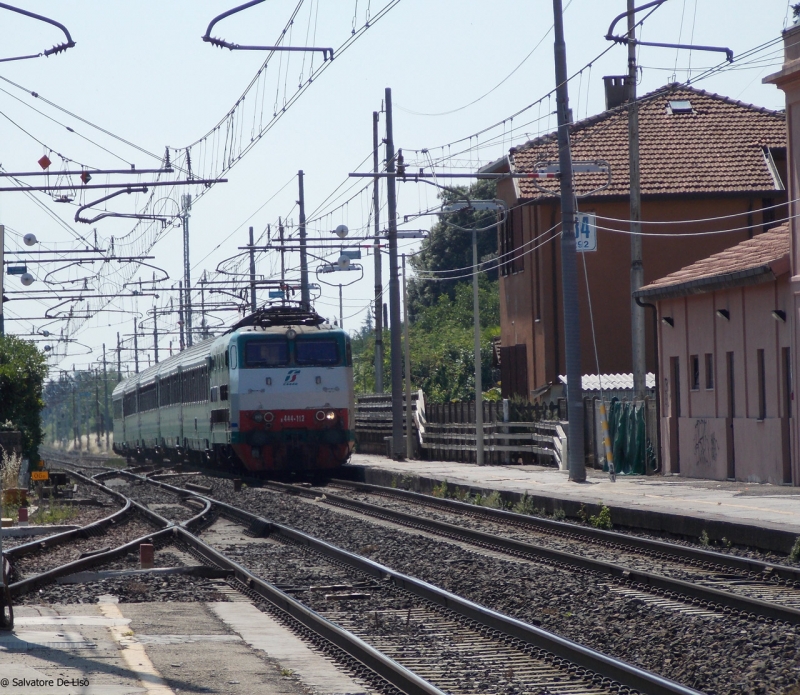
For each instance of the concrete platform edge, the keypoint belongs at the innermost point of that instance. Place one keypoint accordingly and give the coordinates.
(763, 537)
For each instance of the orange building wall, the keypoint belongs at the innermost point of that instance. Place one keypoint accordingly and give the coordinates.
(531, 308)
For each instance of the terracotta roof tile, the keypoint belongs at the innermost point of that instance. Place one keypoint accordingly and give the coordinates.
(719, 148)
(761, 258)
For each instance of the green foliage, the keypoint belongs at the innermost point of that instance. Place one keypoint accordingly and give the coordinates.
(54, 512)
(447, 248)
(525, 505)
(794, 553)
(493, 500)
(603, 519)
(23, 370)
(583, 514)
(559, 515)
(442, 347)
(704, 539)
(461, 494)
(440, 490)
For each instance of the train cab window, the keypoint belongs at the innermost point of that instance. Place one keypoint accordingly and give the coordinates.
(316, 352)
(270, 352)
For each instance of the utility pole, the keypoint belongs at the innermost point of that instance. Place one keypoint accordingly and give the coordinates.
(155, 335)
(74, 427)
(305, 296)
(394, 290)
(106, 418)
(180, 314)
(135, 346)
(637, 269)
(376, 205)
(96, 408)
(407, 351)
(341, 312)
(187, 270)
(203, 322)
(2, 275)
(569, 266)
(252, 274)
(476, 310)
(283, 251)
(119, 359)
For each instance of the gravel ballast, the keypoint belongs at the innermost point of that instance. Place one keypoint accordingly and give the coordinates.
(725, 654)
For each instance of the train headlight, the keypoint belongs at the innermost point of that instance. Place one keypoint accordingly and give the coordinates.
(269, 417)
(258, 417)
(330, 415)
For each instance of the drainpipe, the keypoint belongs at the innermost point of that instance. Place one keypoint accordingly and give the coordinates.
(658, 379)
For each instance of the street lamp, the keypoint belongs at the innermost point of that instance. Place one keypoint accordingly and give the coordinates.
(497, 205)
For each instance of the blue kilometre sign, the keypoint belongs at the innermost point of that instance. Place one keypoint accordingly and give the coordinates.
(585, 232)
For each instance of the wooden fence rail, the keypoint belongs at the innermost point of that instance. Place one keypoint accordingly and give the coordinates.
(513, 433)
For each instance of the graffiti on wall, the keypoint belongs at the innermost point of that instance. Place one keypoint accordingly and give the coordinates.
(705, 445)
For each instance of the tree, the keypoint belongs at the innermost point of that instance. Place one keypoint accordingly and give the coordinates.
(449, 249)
(22, 373)
(441, 346)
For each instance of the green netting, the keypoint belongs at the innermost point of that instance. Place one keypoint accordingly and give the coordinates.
(633, 452)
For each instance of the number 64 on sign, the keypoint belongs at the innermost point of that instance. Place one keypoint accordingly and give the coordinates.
(585, 232)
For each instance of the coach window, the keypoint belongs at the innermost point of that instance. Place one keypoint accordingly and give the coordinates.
(316, 352)
(269, 352)
(233, 359)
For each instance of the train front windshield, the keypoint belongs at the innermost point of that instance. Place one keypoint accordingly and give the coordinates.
(316, 352)
(272, 352)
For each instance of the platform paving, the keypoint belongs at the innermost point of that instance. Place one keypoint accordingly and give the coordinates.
(109, 648)
(689, 505)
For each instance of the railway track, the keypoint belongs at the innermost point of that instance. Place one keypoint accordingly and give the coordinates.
(410, 634)
(679, 577)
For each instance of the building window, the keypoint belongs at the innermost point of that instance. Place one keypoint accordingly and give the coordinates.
(694, 367)
(762, 386)
(512, 258)
(709, 370)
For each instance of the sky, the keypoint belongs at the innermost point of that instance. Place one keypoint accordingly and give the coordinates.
(469, 80)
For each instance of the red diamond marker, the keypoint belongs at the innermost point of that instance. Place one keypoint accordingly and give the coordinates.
(45, 162)
(86, 177)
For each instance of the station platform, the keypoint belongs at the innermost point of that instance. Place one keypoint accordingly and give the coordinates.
(156, 648)
(756, 515)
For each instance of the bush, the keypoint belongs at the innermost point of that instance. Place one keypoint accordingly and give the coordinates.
(602, 520)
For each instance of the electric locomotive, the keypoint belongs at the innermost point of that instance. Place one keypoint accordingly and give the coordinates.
(273, 394)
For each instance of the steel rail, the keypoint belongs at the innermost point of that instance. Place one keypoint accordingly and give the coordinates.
(741, 564)
(584, 657)
(96, 527)
(633, 577)
(26, 585)
(387, 668)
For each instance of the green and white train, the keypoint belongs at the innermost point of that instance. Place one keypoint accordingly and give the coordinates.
(273, 394)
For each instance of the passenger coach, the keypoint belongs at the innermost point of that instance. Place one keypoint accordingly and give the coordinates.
(275, 393)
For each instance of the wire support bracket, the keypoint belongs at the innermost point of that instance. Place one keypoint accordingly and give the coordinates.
(327, 53)
(610, 36)
(58, 48)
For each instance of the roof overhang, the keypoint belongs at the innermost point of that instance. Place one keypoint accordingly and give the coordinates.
(768, 272)
(498, 166)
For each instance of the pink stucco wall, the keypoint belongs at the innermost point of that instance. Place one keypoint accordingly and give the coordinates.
(719, 432)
